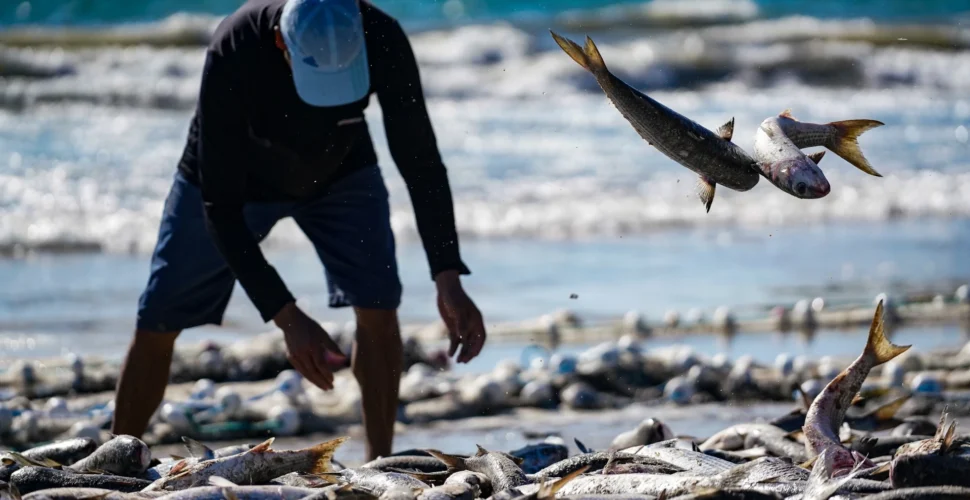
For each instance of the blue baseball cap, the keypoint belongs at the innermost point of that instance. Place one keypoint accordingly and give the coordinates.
(325, 40)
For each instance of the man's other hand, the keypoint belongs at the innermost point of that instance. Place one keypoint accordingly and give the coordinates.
(307, 344)
(465, 325)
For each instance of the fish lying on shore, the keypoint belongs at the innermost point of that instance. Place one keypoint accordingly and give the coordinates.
(65, 452)
(501, 470)
(839, 137)
(122, 455)
(827, 412)
(709, 154)
(257, 465)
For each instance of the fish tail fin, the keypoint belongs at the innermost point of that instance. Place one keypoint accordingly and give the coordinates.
(888, 410)
(323, 452)
(589, 57)
(846, 145)
(452, 462)
(197, 449)
(878, 346)
(549, 492)
(594, 58)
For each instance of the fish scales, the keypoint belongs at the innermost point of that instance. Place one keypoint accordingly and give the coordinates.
(380, 482)
(242, 492)
(688, 460)
(258, 465)
(598, 460)
(422, 464)
(122, 455)
(65, 452)
(32, 478)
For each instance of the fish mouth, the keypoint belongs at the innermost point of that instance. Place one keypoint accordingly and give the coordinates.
(811, 191)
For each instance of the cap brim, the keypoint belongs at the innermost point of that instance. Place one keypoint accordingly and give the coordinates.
(333, 87)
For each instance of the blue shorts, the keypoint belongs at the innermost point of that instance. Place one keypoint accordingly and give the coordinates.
(350, 227)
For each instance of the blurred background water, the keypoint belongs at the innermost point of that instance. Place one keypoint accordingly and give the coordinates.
(555, 193)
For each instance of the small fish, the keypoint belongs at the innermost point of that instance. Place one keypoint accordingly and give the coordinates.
(411, 463)
(827, 412)
(501, 470)
(786, 166)
(711, 155)
(840, 137)
(122, 455)
(242, 492)
(66, 452)
(734, 437)
(33, 478)
(379, 482)
(598, 460)
(76, 494)
(260, 464)
(691, 461)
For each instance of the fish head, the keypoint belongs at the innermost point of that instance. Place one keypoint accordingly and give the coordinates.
(802, 178)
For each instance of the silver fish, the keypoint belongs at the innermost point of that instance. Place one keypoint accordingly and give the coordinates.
(258, 465)
(474, 479)
(709, 154)
(786, 166)
(76, 494)
(379, 482)
(827, 412)
(122, 455)
(65, 452)
(839, 137)
(690, 461)
(501, 469)
(242, 492)
(29, 479)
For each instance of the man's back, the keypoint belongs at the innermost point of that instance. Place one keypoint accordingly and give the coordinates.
(280, 124)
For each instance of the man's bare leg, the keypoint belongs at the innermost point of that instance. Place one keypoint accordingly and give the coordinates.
(143, 379)
(377, 361)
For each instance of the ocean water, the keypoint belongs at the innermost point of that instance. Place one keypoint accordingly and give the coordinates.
(555, 193)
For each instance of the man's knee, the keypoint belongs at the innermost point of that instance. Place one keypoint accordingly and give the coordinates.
(377, 324)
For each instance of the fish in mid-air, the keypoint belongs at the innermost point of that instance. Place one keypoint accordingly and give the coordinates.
(711, 155)
(827, 412)
(786, 166)
(839, 137)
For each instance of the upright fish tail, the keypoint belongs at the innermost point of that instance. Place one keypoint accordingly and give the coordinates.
(589, 58)
(322, 453)
(878, 346)
(846, 145)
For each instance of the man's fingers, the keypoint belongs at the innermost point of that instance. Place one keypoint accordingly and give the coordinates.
(454, 344)
(466, 340)
(320, 364)
(306, 368)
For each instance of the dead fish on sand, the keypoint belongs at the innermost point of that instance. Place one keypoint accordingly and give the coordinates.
(499, 468)
(786, 166)
(839, 137)
(66, 452)
(122, 455)
(827, 412)
(260, 464)
(709, 154)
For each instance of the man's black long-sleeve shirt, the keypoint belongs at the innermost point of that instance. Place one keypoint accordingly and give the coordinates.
(253, 139)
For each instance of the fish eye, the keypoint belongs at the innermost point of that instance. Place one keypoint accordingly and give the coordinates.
(800, 188)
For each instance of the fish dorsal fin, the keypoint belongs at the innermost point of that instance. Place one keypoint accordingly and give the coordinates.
(817, 156)
(177, 457)
(452, 462)
(888, 410)
(726, 131)
(662, 495)
(53, 464)
(221, 481)
(179, 467)
(806, 402)
(197, 449)
(582, 447)
(481, 451)
(263, 447)
(786, 114)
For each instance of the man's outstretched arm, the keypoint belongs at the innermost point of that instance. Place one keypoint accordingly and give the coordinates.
(413, 147)
(222, 167)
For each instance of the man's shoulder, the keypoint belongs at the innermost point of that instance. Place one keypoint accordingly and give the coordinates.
(247, 28)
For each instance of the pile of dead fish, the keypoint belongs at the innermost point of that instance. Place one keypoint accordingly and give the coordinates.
(815, 453)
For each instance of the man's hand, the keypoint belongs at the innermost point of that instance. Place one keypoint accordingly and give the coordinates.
(307, 344)
(464, 321)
